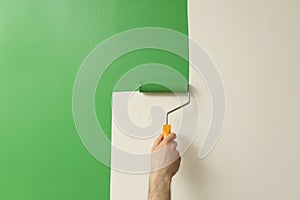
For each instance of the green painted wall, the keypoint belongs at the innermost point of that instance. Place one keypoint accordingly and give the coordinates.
(42, 44)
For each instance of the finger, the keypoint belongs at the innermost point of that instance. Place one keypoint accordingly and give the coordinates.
(177, 154)
(173, 144)
(158, 140)
(169, 139)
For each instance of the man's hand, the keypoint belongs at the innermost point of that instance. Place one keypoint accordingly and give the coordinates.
(165, 157)
(165, 162)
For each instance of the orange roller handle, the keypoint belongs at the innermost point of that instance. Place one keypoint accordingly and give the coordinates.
(166, 130)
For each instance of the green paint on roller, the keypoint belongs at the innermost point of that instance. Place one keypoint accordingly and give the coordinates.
(160, 88)
(154, 88)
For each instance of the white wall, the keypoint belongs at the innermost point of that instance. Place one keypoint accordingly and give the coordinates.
(256, 45)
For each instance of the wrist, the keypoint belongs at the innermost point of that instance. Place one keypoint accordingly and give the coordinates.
(161, 178)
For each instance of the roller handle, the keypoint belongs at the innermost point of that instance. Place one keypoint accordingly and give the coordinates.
(166, 130)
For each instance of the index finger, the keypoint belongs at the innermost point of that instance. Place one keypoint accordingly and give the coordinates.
(168, 139)
(158, 140)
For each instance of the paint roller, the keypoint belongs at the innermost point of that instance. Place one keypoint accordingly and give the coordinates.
(166, 129)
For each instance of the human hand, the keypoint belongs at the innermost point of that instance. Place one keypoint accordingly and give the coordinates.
(165, 158)
(165, 163)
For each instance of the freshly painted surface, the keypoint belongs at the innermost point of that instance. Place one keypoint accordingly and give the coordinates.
(42, 44)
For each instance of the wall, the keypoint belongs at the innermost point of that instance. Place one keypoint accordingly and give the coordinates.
(42, 45)
(255, 44)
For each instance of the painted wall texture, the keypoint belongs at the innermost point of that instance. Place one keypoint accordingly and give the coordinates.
(42, 45)
(255, 44)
